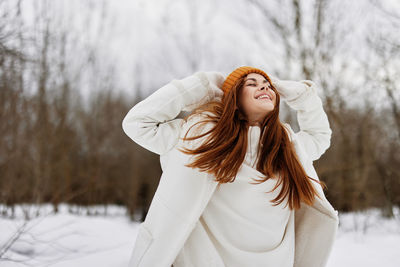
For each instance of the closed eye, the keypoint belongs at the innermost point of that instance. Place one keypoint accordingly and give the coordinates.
(269, 86)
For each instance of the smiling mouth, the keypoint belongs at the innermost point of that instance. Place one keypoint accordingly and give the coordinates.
(264, 97)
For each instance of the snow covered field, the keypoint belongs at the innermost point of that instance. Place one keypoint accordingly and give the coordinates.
(64, 240)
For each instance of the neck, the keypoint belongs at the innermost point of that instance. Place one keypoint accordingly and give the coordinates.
(254, 123)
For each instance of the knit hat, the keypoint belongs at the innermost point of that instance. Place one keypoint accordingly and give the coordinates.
(237, 74)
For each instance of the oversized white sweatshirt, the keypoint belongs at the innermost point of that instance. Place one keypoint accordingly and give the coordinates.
(242, 225)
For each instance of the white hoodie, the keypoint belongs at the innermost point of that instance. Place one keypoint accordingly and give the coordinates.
(191, 223)
(240, 223)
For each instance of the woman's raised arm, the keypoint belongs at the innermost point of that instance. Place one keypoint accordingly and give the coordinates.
(152, 123)
(315, 132)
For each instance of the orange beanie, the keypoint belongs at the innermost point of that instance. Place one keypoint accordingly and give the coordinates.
(237, 74)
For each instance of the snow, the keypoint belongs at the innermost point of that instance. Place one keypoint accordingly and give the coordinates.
(63, 239)
(367, 239)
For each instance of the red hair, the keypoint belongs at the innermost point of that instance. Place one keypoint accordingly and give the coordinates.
(224, 150)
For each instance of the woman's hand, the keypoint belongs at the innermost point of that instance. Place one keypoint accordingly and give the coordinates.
(215, 81)
(290, 90)
(209, 88)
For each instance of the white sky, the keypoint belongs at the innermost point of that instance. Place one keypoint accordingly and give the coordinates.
(156, 36)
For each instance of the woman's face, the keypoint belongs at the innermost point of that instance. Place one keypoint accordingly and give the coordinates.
(256, 98)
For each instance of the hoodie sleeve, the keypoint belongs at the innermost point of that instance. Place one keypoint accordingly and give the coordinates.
(315, 132)
(153, 123)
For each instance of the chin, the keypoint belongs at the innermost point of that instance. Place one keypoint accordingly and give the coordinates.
(269, 108)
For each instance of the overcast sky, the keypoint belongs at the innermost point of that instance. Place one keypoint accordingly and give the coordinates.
(152, 42)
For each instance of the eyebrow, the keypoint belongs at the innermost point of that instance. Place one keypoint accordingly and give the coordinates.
(254, 80)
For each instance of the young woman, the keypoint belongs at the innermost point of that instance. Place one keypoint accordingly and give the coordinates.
(238, 186)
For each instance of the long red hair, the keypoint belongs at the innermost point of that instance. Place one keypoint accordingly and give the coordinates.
(224, 149)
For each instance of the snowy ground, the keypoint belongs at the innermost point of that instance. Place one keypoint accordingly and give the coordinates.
(64, 240)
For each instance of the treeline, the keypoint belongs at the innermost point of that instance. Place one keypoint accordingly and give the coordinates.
(57, 148)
